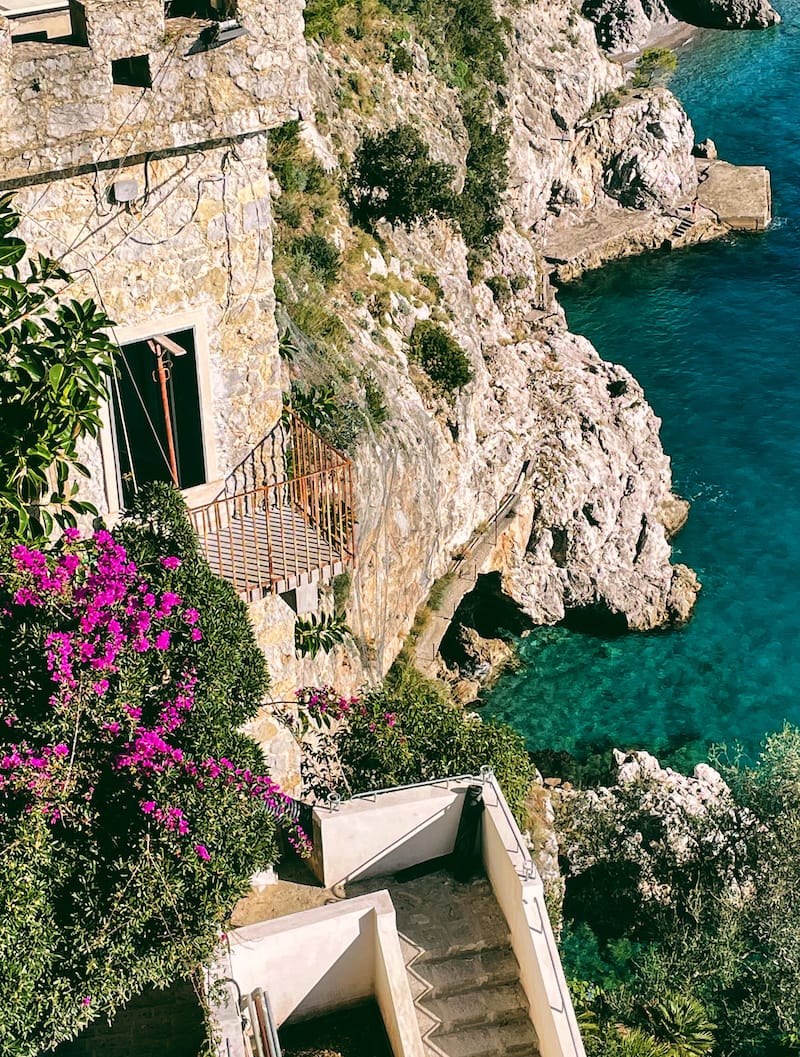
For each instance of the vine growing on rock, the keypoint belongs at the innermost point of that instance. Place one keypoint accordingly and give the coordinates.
(132, 811)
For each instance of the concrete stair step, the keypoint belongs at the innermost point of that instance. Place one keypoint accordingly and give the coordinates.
(441, 946)
(478, 1008)
(463, 972)
(513, 1039)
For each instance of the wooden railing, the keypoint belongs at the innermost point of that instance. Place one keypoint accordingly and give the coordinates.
(285, 516)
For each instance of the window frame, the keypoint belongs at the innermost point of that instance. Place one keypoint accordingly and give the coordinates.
(199, 494)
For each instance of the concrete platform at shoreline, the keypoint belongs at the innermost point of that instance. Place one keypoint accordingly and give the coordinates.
(740, 195)
(730, 197)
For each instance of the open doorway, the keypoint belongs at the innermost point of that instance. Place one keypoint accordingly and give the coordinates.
(157, 424)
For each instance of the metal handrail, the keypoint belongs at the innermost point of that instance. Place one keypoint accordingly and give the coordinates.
(249, 531)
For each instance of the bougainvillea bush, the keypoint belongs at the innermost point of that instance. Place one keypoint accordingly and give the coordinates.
(132, 811)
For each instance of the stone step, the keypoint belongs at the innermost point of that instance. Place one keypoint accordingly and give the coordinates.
(435, 978)
(478, 1008)
(513, 1039)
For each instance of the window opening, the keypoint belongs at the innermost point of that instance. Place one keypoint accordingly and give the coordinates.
(45, 21)
(156, 409)
(208, 9)
(133, 71)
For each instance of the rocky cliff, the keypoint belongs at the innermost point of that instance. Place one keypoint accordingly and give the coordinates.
(590, 529)
(629, 25)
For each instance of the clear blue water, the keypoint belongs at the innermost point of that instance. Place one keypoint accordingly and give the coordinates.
(711, 333)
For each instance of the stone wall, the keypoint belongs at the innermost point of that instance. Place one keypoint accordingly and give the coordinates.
(60, 108)
(197, 243)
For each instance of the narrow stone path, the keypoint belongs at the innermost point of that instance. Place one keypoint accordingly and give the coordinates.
(463, 975)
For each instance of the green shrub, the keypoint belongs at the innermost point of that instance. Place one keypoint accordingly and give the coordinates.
(375, 398)
(440, 356)
(479, 205)
(321, 21)
(339, 421)
(429, 738)
(500, 287)
(607, 101)
(320, 255)
(655, 65)
(402, 61)
(315, 634)
(393, 178)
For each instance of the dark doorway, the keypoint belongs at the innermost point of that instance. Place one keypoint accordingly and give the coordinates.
(145, 402)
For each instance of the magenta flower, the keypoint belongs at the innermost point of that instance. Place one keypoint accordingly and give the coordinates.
(162, 640)
(202, 852)
(86, 1000)
(171, 563)
(148, 806)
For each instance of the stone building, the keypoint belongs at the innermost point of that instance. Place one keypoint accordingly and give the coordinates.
(133, 134)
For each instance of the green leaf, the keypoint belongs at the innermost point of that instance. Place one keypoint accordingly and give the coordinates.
(11, 251)
(55, 374)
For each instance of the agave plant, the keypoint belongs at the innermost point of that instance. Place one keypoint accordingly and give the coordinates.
(683, 1024)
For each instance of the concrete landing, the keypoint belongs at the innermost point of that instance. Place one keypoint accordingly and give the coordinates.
(740, 195)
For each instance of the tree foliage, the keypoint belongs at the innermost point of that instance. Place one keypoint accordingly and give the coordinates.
(132, 811)
(55, 361)
(655, 65)
(393, 178)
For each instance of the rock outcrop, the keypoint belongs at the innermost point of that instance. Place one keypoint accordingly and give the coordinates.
(624, 26)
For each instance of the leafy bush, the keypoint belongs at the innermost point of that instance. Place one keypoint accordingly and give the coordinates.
(607, 101)
(321, 21)
(654, 65)
(55, 362)
(500, 287)
(319, 633)
(407, 730)
(132, 811)
(440, 356)
(410, 731)
(340, 422)
(479, 205)
(402, 61)
(321, 256)
(393, 178)
(375, 398)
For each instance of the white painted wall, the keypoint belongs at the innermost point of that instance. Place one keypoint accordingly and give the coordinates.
(319, 960)
(398, 829)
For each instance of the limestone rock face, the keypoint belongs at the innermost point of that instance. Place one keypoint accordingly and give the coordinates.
(728, 14)
(544, 416)
(639, 153)
(624, 25)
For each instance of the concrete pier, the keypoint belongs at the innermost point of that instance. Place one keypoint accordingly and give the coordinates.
(740, 195)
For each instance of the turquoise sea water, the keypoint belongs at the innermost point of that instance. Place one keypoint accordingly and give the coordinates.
(712, 335)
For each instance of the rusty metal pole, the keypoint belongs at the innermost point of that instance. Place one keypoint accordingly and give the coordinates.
(162, 375)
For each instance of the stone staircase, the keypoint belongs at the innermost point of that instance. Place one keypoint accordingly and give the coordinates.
(681, 230)
(463, 975)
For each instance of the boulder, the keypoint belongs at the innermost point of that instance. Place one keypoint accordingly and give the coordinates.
(707, 148)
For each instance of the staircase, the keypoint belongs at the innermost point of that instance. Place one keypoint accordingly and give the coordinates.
(682, 229)
(463, 975)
